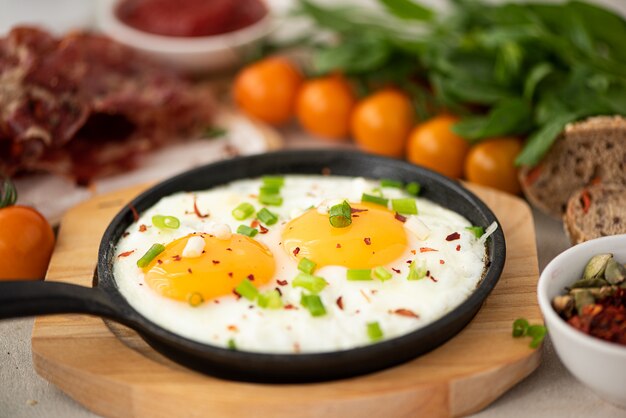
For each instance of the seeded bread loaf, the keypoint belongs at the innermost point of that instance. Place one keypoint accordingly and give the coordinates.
(596, 211)
(590, 151)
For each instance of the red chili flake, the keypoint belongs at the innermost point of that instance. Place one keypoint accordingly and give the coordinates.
(197, 211)
(357, 210)
(427, 273)
(442, 262)
(262, 229)
(533, 175)
(290, 306)
(340, 302)
(230, 274)
(413, 252)
(396, 270)
(426, 249)
(125, 234)
(355, 216)
(232, 328)
(229, 249)
(143, 228)
(251, 277)
(326, 171)
(215, 261)
(409, 261)
(338, 246)
(453, 236)
(296, 250)
(585, 200)
(134, 211)
(282, 282)
(606, 319)
(126, 254)
(189, 270)
(458, 247)
(177, 257)
(367, 241)
(433, 279)
(216, 301)
(279, 292)
(237, 295)
(203, 251)
(406, 312)
(254, 223)
(159, 261)
(400, 217)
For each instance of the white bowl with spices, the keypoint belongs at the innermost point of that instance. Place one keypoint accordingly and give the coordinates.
(598, 364)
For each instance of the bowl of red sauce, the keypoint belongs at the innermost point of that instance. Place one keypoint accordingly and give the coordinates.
(590, 335)
(191, 35)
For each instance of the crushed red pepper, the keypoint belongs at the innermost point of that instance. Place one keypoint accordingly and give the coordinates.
(396, 270)
(606, 319)
(453, 236)
(282, 282)
(458, 247)
(262, 229)
(406, 312)
(296, 250)
(143, 228)
(426, 249)
(126, 254)
(340, 302)
(400, 217)
(367, 241)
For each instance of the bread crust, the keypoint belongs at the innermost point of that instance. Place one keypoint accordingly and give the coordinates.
(593, 150)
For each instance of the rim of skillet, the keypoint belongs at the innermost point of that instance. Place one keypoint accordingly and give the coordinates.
(496, 252)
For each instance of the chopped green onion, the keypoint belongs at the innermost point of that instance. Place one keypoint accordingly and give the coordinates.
(340, 215)
(246, 289)
(413, 188)
(313, 304)
(270, 300)
(247, 231)
(195, 299)
(307, 266)
(391, 183)
(405, 206)
(520, 327)
(374, 331)
(243, 211)
(537, 332)
(161, 221)
(270, 189)
(415, 272)
(270, 199)
(278, 181)
(374, 199)
(478, 231)
(359, 274)
(267, 217)
(377, 192)
(155, 250)
(231, 344)
(382, 273)
(313, 284)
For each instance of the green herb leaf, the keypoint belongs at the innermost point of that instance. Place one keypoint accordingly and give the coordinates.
(511, 116)
(356, 55)
(406, 9)
(540, 142)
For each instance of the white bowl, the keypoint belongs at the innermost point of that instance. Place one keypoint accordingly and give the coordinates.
(189, 54)
(598, 364)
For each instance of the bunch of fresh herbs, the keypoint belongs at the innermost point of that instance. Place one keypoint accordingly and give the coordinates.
(509, 69)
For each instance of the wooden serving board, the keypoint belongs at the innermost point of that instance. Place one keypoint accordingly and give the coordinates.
(114, 373)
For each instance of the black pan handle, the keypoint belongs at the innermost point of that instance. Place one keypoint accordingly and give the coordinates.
(30, 298)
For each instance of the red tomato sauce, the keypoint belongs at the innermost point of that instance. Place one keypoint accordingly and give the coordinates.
(190, 18)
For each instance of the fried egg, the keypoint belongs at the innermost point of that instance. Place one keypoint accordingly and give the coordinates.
(209, 266)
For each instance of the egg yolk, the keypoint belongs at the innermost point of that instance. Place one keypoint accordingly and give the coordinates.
(216, 272)
(374, 238)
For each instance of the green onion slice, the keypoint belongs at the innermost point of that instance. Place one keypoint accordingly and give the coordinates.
(313, 284)
(313, 304)
(270, 189)
(267, 217)
(374, 199)
(246, 289)
(537, 332)
(270, 300)
(478, 231)
(340, 215)
(391, 183)
(155, 250)
(243, 211)
(231, 344)
(374, 331)
(306, 266)
(405, 206)
(520, 327)
(247, 231)
(359, 274)
(270, 199)
(163, 222)
(382, 273)
(277, 181)
(417, 272)
(413, 188)
(376, 192)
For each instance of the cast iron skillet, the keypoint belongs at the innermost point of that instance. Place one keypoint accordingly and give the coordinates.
(104, 299)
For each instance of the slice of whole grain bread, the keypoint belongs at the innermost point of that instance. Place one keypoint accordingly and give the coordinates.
(596, 211)
(586, 152)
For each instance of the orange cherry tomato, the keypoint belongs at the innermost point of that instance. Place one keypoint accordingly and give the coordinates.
(324, 105)
(492, 163)
(267, 89)
(26, 243)
(434, 145)
(381, 123)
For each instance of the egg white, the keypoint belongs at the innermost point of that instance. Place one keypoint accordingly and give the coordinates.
(252, 328)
